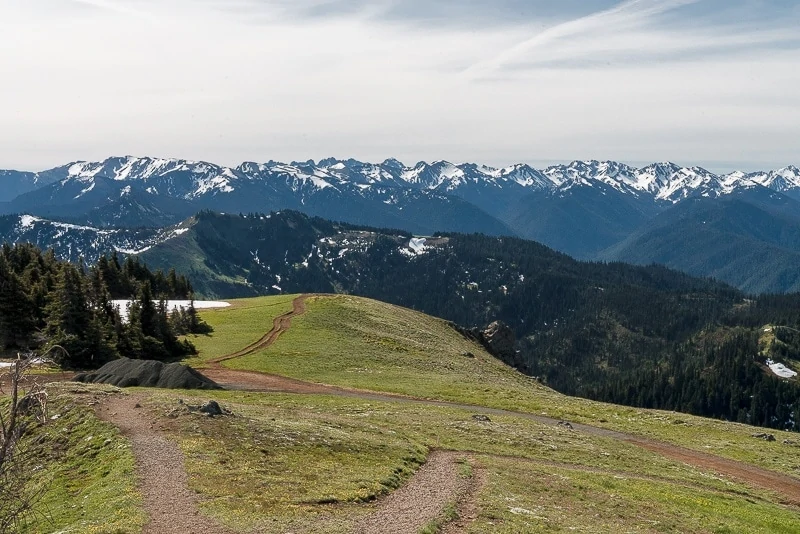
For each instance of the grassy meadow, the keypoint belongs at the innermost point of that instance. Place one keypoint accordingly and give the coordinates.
(319, 463)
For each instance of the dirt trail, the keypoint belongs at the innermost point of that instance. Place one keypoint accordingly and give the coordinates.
(409, 509)
(280, 324)
(468, 508)
(788, 487)
(168, 501)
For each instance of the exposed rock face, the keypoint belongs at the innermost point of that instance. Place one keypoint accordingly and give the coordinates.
(500, 340)
(148, 373)
(497, 338)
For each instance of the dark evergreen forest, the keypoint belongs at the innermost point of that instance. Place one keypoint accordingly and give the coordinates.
(45, 302)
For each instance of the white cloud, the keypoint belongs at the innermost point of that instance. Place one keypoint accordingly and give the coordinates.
(574, 34)
(243, 80)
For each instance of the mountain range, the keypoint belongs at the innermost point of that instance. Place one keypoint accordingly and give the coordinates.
(592, 210)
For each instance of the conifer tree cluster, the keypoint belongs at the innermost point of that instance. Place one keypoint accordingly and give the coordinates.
(46, 302)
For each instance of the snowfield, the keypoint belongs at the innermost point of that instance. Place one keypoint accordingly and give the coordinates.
(781, 370)
(415, 247)
(35, 361)
(173, 305)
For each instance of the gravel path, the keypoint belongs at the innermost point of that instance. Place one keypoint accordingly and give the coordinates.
(788, 487)
(421, 501)
(170, 504)
(173, 507)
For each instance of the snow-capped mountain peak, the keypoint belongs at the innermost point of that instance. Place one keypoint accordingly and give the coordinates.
(387, 181)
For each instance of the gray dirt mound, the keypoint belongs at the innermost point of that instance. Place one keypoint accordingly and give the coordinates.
(148, 373)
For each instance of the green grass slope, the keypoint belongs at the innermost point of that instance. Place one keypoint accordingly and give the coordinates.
(367, 344)
(87, 468)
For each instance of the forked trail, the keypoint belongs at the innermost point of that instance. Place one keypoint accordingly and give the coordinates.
(172, 506)
(423, 499)
(168, 501)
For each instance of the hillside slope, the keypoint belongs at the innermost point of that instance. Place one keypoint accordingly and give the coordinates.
(581, 221)
(750, 241)
(633, 335)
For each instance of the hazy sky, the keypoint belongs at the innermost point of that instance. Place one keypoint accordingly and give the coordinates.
(708, 82)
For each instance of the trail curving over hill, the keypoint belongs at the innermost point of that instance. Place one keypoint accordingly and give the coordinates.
(168, 501)
(280, 324)
(786, 486)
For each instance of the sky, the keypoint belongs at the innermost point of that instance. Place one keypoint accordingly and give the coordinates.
(699, 82)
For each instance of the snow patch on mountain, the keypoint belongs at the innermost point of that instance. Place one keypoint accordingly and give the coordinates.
(74, 241)
(27, 221)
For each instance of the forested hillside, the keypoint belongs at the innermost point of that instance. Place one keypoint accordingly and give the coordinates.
(750, 240)
(645, 336)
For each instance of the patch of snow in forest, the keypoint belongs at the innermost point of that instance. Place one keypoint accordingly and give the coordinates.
(173, 305)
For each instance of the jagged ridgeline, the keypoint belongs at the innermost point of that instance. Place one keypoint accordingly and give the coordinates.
(46, 302)
(646, 336)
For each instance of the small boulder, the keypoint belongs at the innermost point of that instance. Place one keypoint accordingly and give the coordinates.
(482, 418)
(565, 424)
(764, 436)
(211, 408)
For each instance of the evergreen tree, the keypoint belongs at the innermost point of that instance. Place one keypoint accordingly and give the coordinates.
(17, 318)
(69, 318)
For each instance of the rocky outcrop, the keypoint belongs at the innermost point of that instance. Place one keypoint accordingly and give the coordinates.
(148, 373)
(500, 340)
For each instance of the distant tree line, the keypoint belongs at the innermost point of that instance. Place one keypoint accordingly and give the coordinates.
(45, 302)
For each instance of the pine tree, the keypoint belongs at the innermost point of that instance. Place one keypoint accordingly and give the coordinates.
(69, 319)
(17, 319)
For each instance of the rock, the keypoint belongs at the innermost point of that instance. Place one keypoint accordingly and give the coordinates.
(791, 443)
(211, 408)
(125, 372)
(565, 424)
(500, 339)
(482, 418)
(764, 436)
(467, 354)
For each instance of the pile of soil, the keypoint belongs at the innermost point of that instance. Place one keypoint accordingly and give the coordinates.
(147, 373)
